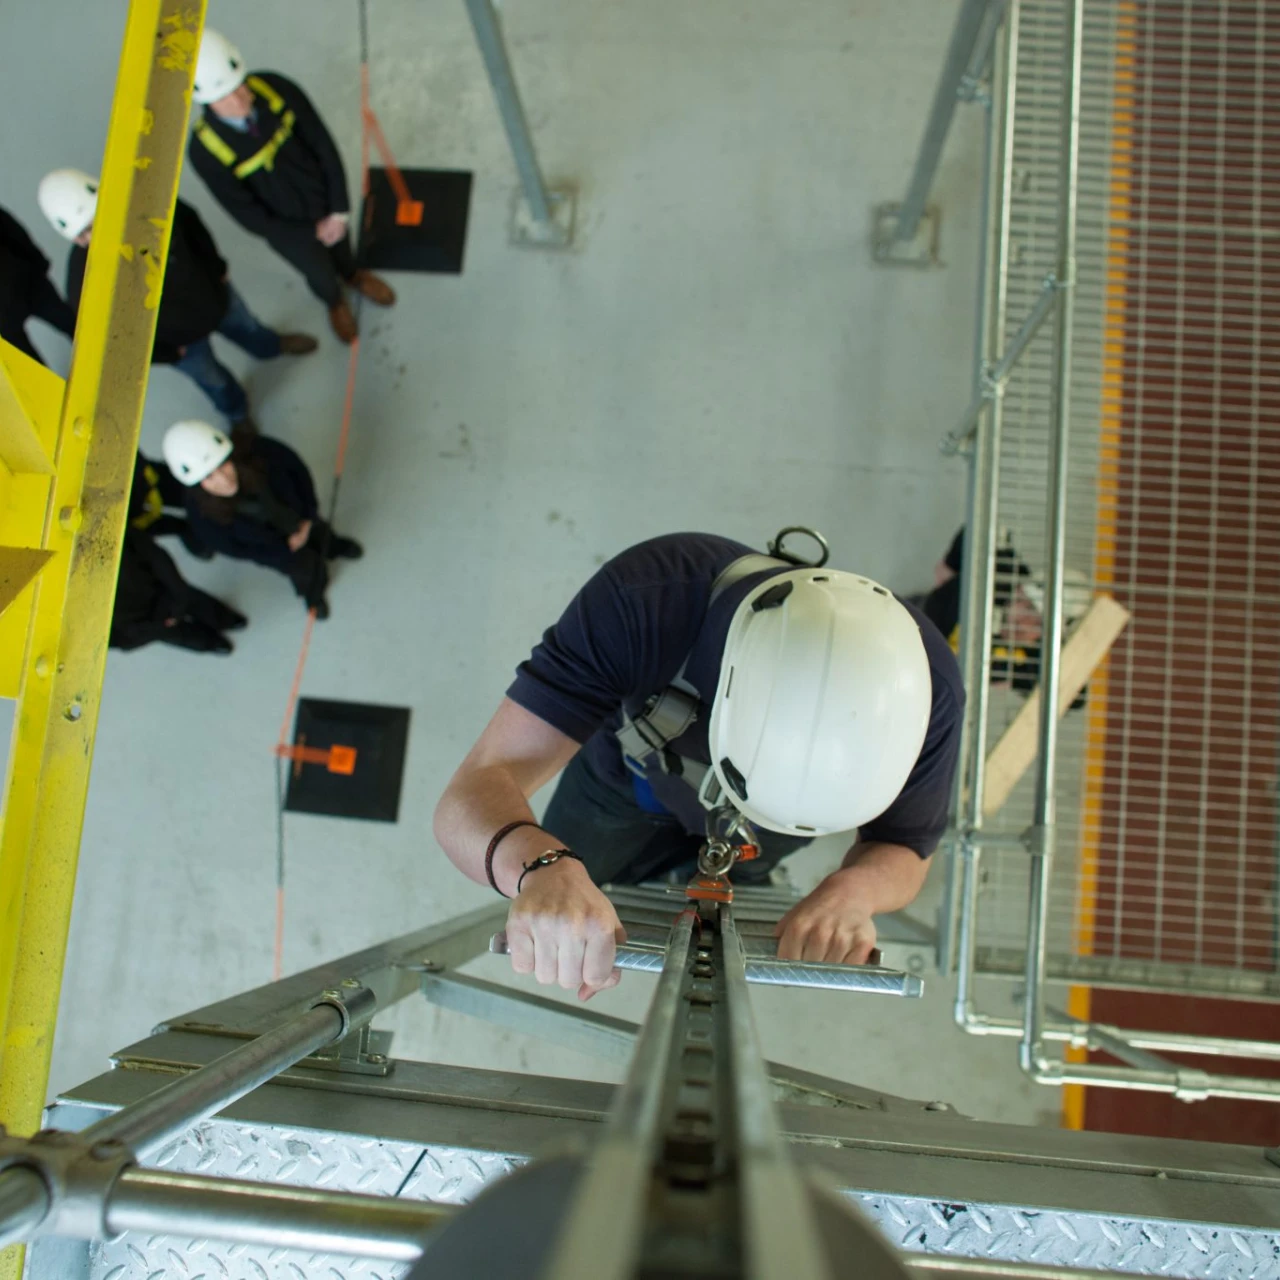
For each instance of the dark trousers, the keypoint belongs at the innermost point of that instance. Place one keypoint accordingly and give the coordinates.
(621, 843)
(200, 625)
(46, 304)
(308, 569)
(324, 267)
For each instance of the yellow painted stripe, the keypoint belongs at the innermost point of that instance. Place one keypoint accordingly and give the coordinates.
(1111, 425)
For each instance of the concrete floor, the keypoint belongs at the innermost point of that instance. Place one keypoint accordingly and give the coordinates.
(716, 352)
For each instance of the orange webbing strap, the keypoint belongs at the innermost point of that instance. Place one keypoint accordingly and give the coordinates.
(408, 210)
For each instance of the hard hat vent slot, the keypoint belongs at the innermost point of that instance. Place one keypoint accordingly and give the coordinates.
(880, 591)
(737, 783)
(772, 598)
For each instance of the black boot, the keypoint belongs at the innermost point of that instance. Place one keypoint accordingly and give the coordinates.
(341, 548)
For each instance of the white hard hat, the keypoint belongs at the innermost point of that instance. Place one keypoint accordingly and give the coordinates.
(823, 704)
(219, 68)
(69, 199)
(194, 450)
(1077, 594)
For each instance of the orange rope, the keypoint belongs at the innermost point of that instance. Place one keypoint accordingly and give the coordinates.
(297, 678)
(353, 363)
(368, 125)
(277, 967)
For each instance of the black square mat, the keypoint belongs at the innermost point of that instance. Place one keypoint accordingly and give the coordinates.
(437, 243)
(371, 790)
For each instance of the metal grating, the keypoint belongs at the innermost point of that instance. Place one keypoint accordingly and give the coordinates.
(1167, 777)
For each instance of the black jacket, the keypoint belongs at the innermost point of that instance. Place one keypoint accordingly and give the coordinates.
(24, 284)
(149, 590)
(246, 538)
(304, 180)
(154, 488)
(195, 296)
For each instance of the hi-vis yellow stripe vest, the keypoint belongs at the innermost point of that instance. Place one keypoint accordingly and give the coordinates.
(265, 157)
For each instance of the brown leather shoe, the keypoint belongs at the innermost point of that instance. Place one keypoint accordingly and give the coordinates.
(373, 287)
(297, 344)
(343, 322)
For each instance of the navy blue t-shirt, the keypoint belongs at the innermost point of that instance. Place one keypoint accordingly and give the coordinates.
(625, 636)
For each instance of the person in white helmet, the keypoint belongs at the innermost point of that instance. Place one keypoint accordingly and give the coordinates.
(197, 299)
(1018, 599)
(252, 498)
(266, 155)
(692, 676)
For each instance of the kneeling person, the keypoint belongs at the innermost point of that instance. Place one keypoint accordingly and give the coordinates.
(691, 674)
(253, 499)
(155, 603)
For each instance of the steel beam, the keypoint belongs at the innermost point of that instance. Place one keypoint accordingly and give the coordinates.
(66, 643)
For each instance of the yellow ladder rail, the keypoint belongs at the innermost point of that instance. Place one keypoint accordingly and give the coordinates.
(76, 515)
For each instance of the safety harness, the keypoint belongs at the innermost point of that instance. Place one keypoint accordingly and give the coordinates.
(265, 156)
(646, 738)
(152, 503)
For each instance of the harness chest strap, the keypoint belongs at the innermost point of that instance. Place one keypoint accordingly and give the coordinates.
(645, 738)
(265, 156)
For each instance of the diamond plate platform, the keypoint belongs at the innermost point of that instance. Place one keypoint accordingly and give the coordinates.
(1087, 1241)
(317, 1158)
(300, 1158)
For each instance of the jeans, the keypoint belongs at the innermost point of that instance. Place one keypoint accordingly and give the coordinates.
(619, 843)
(199, 363)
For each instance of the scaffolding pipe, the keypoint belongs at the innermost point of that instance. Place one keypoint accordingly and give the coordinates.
(978, 570)
(150, 1123)
(160, 1202)
(1044, 818)
(992, 382)
(24, 1203)
(960, 53)
(488, 31)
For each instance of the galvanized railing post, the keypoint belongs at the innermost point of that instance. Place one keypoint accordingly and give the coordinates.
(973, 20)
(977, 572)
(545, 228)
(1044, 820)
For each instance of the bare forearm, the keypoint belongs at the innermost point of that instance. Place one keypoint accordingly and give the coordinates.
(884, 877)
(477, 804)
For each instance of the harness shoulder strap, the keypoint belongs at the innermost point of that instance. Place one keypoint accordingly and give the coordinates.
(645, 738)
(214, 144)
(266, 92)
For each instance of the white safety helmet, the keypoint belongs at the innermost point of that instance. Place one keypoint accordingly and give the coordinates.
(195, 450)
(823, 704)
(69, 199)
(219, 68)
(1077, 594)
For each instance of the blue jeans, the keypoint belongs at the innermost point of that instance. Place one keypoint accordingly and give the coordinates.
(199, 363)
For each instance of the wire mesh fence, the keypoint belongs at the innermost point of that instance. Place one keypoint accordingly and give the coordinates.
(1165, 878)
